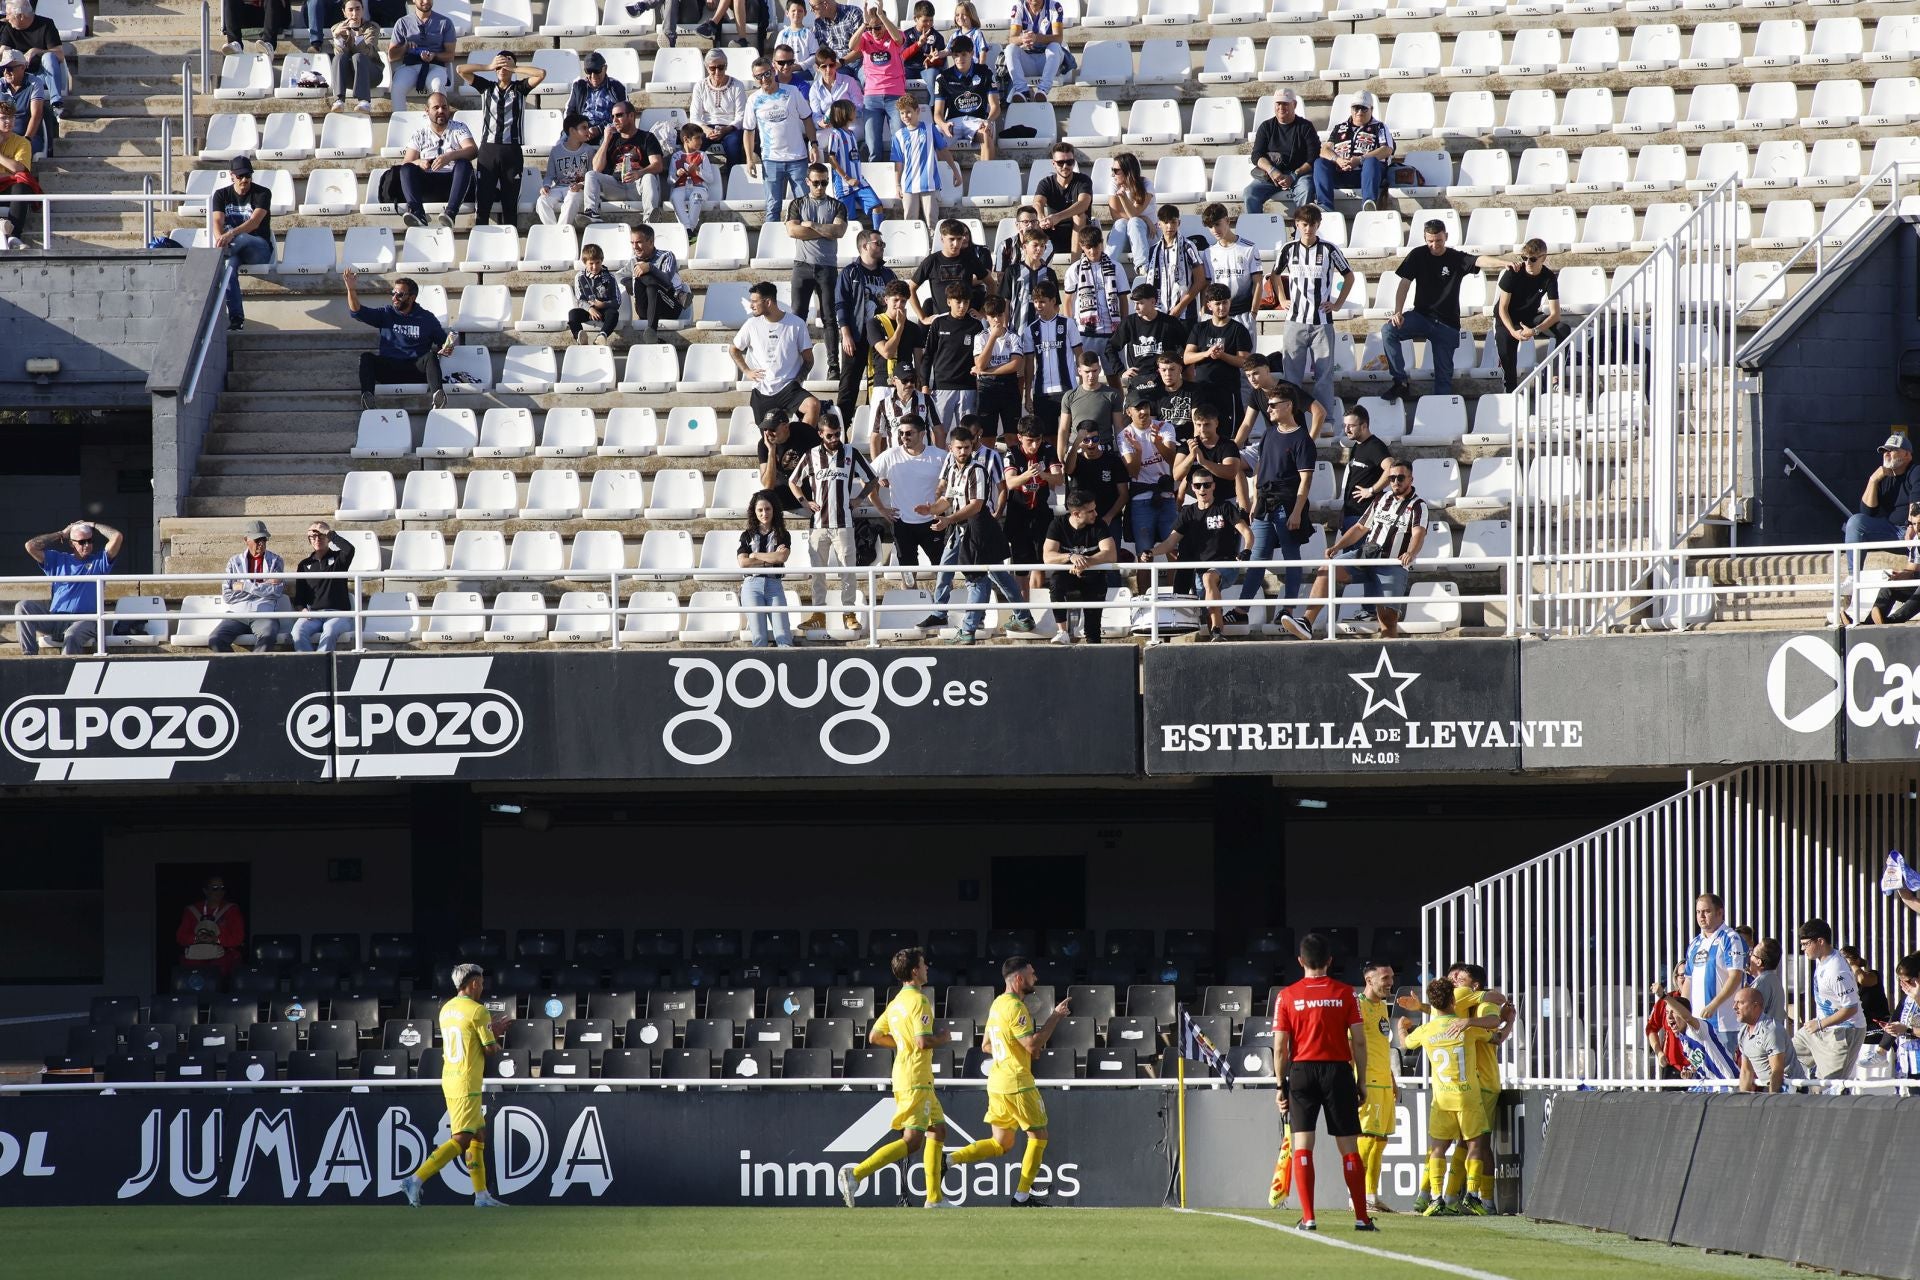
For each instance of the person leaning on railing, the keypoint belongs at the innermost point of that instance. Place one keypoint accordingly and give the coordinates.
(85, 555)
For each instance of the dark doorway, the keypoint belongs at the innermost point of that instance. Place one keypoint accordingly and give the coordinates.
(1040, 893)
(176, 885)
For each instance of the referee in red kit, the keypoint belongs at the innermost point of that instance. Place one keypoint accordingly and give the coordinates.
(1319, 1051)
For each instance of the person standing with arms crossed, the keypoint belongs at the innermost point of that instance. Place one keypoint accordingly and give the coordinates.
(1319, 1052)
(467, 1040)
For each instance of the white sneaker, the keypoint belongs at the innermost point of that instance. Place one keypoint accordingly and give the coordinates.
(942, 1204)
(233, 46)
(485, 1200)
(1062, 637)
(364, 108)
(413, 1187)
(847, 1186)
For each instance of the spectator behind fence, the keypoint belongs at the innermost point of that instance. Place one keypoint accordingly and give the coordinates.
(765, 544)
(356, 43)
(596, 299)
(1893, 488)
(243, 225)
(1716, 962)
(830, 480)
(1763, 975)
(27, 94)
(38, 40)
(1905, 1033)
(564, 188)
(1394, 528)
(595, 94)
(503, 131)
(964, 513)
(1083, 546)
(1765, 1058)
(255, 584)
(1285, 148)
(909, 477)
(1358, 152)
(1712, 1054)
(1280, 488)
(1829, 1042)
(1873, 993)
(326, 601)
(1209, 529)
(16, 178)
(630, 166)
(85, 556)
(411, 340)
(273, 17)
(421, 53)
(719, 104)
(1529, 307)
(1670, 1056)
(1899, 599)
(438, 164)
(212, 931)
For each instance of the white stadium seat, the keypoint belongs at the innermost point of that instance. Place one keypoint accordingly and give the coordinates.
(429, 495)
(383, 433)
(615, 495)
(488, 495)
(484, 308)
(665, 555)
(677, 495)
(517, 617)
(1542, 171)
(708, 367)
(567, 432)
(1535, 52)
(586, 371)
(1662, 167)
(1655, 47)
(452, 433)
(455, 617)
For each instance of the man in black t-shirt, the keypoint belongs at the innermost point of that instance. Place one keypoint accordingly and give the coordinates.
(1173, 402)
(1081, 543)
(946, 361)
(783, 443)
(1032, 471)
(1366, 473)
(1281, 484)
(1211, 453)
(1141, 336)
(1095, 469)
(957, 259)
(1209, 528)
(38, 40)
(1216, 352)
(1529, 306)
(1068, 196)
(243, 225)
(1434, 273)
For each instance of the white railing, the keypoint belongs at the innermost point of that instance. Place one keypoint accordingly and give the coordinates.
(146, 201)
(1839, 228)
(1577, 935)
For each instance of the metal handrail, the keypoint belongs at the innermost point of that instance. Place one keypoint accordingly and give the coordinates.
(186, 108)
(1889, 174)
(1795, 464)
(206, 47)
(144, 198)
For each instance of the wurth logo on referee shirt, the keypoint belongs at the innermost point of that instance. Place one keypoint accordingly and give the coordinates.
(406, 718)
(121, 722)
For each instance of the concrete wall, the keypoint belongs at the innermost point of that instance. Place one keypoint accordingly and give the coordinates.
(105, 318)
(1830, 393)
(180, 420)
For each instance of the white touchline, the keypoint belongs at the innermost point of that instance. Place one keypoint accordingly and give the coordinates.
(1317, 1238)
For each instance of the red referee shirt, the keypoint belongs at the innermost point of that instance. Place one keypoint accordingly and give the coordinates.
(1315, 1013)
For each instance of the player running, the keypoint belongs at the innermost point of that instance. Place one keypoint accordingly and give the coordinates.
(1013, 1100)
(1379, 1101)
(466, 1041)
(1318, 1051)
(906, 1027)
(1457, 1113)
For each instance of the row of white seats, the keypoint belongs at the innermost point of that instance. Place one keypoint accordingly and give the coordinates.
(290, 135)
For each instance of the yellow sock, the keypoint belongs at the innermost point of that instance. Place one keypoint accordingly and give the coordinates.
(931, 1161)
(1436, 1173)
(1030, 1162)
(477, 1166)
(984, 1149)
(1457, 1174)
(442, 1156)
(880, 1159)
(1479, 1180)
(1372, 1151)
(1426, 1181)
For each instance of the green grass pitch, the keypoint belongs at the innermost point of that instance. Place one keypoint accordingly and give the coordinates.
(529, 1242)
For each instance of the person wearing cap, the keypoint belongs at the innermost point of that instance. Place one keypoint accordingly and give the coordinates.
(255, 584)
(784, 441)
(37, 39)
(421, 53)
(28, 96)
(1884, 610)
(326, 602)
(503, 91)
(1891, 490)
(719, 104)
(84, 549)
(595, 93)
(16, 175)
(1285, 149)
(242, 214)
(1141, 336)
(236, 15)
(1357, 153)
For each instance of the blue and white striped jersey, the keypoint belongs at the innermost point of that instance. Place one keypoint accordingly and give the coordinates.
(1708, 959)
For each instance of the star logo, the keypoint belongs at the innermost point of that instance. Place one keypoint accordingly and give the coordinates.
(1372, 681)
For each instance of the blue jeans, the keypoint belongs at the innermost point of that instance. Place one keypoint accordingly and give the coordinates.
(1379, 579)
(1152, 516)
(57, 74)
(419, 186)
(1862, 527)
(785, 178)
(732, 147)
(1000, 580)
(322, 15)
(1443, 341)
(1329, 177)
(879, 117)
(1269, 536)
(765, 589)
(1297, 191)
(1135, 235)
(244, 251)
(329, 631)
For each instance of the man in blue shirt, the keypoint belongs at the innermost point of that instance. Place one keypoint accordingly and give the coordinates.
(411, 340)
(85, 548)
(421, 53)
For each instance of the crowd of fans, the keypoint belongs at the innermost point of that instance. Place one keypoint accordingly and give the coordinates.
(36, 74)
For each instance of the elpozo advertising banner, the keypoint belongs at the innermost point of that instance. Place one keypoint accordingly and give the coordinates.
(1107, 1147)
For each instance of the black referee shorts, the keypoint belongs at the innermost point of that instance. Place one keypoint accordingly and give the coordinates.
(1313, 1087)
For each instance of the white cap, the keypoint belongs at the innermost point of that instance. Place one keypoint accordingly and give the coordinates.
(1364, 98)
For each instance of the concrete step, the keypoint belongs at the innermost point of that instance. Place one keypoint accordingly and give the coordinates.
(246, 486)
(293, 506)
(292, 468)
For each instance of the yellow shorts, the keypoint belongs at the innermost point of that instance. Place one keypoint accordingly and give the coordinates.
(464, 1114)
(1457, 1124)
(1018, 1110)
(1378, 1111)
(1489, 1109)
(917, 1108)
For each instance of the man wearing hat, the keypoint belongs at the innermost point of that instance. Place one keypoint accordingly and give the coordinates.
(1284, 151)
(1891, 490)
(242, 223)
(255, 584)
(28, 95)
(1356, 153)
(596, 93)
(73, 552)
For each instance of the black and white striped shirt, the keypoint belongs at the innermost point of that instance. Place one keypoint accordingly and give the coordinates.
(1172, 268)
(1313, 275)
(503, 112)
(1094, 288)
(1391, 520)
(961, 483)
(828, 477)
(1054, 345)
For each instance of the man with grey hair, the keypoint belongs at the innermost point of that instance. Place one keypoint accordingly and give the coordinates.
(326, 601)
(256, 584)
(468, 1037)
(1284, 149)
(73, 552)
(38, 40)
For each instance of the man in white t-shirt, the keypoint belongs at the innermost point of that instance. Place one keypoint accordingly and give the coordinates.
(909, 476)
(777, 129)
(779, 356)
(1716, 964)
(1829, 1042)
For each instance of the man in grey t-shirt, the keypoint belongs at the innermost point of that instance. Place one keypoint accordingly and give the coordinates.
(815, 223)
(1766, 1059)
(1763, 975)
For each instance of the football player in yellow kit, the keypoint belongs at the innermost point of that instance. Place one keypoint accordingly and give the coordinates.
(1456, 1115)
(1379, 1109)
(1013, 1099)
(466, 1041)
(906, 1027)
(1469, 1180)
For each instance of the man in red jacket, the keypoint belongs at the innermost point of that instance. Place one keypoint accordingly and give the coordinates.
(212, 930)
(1319, 1051)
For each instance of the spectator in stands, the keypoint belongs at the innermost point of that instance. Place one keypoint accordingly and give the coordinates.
(1066, 198)
(1662, 1042)
(255, 584)
(410, 340)
(595, 94)
(967, 30)
(1368, 459)
(1906, 1032)
(1394, 529)
(830, 480)
(908, 474)
(322, 17)
(1050, 352)
(784, 440)
(907, 398)
(27, 95)
(564, 188)
(946, 361)
(1873, 993)
(630, 166)
(719, 105)
(883, 69)
(212, 932)
(596, 299)
(1764, 1061)
(1305, 272)
(1015, 252)
(1100, 471)
(1033, 472)
(356, 41)
(1149, 449)
(1211, 528)
(327, 602)
(925, 51)
(842, 152)
(797, 36)
(1280, 483)
(1218, 348)
(38, 40)
(1712, 1054)
(917, 145)
(1357, 153)
(815, 223)
(1083, 545)
(1037, 46)
(1716, 963)
(1094, 286)
(715, 24)
(1885, 611)
(438, 164)
(654, 284)
(778, 130)
(967, 107)
(964, 513)
(859, 297)
(792, 69)
(779, 357)
(996, 368)
(1173, 396)
(242, 214)
(1129, 205)
(273, 18)
(16, 177)
(895, 343)
(421, 53)
(1285, 149)
(693, 177)
(1090, 400)
(1142, 337)
(831, 84)
(958, 260)
(1763, 975)
(1176, 266)
(1233, 262)
(1211, 451)
(86, 555)
(1892, 489)
(1529, 307)
(1830, 1041)
(1434, 273)
(765, 544)
(503, 131)
(835, 27)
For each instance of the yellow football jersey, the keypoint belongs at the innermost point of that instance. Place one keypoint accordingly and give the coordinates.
(466, 1029)
(1448, 1040)
(1007, 1023)
(906, 1018)
(1483, 1056)
(1373, 1022)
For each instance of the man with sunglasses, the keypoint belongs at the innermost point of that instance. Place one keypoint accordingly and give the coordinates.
(815, 223)
(1891, 490)
(411, 340)
(1529, 308)
(1067, 195)
(630, 166)
(1394, 528)
(778, 129)
(85, 548)
(1209, 529)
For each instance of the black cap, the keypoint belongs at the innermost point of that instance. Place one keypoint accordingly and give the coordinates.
(1139, 397)
(593, 61)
